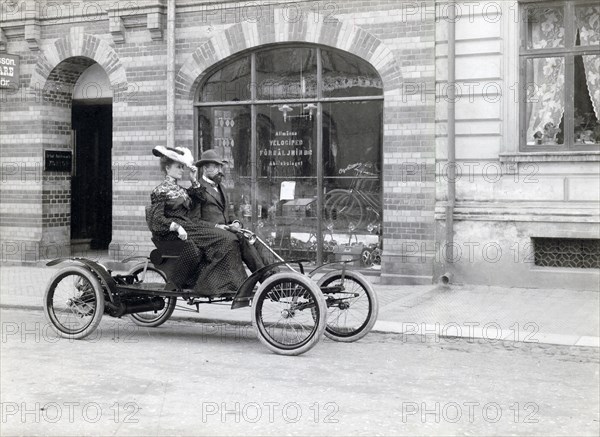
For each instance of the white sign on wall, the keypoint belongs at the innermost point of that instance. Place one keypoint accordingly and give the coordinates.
(9, 71)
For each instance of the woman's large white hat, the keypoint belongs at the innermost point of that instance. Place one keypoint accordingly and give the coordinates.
(177, 154)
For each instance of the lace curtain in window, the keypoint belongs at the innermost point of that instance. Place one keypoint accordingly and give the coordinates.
(546, 76)
(546, 86)
(588, 22)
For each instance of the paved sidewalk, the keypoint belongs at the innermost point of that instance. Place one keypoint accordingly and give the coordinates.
(565, 317)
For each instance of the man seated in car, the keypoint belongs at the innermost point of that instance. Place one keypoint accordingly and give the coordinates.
(214, 208)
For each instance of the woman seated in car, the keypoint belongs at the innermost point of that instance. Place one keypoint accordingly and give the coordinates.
(210, 260)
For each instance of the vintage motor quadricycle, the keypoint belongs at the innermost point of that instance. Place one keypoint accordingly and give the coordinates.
(290, 310)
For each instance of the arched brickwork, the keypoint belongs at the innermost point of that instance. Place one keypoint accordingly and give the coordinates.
(407, 137)
(247, 35)
(59, 66)
(74, 45)
(346, 36)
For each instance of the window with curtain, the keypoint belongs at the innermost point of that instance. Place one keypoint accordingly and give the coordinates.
(302, 128)
(560, 74)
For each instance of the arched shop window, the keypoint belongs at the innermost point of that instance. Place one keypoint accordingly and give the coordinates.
(301, 127)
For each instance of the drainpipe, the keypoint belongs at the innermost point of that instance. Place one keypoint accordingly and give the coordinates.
(170, 74)
(451, 152)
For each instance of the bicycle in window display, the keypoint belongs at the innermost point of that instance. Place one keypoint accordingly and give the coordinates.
(356, 207)
(291, 310)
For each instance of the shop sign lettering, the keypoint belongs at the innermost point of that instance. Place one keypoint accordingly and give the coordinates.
(285, 150)
(9, 71)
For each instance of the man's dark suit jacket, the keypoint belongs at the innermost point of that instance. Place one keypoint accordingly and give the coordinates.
(216, 208)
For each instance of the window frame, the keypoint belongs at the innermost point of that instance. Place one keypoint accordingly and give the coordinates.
(568, 53)
(254, 103)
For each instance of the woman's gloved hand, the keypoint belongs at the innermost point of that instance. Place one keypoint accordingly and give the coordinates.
(181, 233)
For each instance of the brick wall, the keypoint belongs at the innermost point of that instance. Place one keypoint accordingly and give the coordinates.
(398, 44)
(35, 212)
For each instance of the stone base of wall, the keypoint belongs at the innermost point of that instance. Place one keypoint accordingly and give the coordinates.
(501, 254)
(406, 269)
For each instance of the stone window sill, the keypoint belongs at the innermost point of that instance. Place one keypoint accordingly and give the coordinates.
(592, 156)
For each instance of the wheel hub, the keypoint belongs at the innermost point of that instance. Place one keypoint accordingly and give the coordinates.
(286, 314)
(81, 309)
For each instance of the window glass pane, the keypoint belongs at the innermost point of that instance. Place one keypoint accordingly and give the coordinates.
(281, 203)
(545, 98)
(226, 129)
(353, 217)
(287, 140)
(352, 205)
(287, 183)
(587, 99)
(230, 83)
(344, 76)
(287, 218)
(587, 21)
(286, 73)
(545, 27)
(351, 135)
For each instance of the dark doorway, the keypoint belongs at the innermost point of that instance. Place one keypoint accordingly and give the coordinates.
(91, 184)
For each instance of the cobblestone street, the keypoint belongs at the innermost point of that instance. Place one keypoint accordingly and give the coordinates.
(216, 379)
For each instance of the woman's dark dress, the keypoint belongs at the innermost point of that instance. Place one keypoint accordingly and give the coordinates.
(215, 253)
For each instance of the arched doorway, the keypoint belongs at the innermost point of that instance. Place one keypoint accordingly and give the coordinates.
(302, 126)
(91, 182)
(80, 122)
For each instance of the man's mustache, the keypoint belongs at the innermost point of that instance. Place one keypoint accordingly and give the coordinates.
(218, 175)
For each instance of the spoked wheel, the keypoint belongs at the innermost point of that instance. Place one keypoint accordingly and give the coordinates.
(288, 313)
(74, 302)
(343, 209)
(152, 319)
(330, 199)
(347, 213)
(352, 305)
(376, 256)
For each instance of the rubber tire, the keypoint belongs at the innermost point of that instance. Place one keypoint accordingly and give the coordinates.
(355, 212)
(319, 319)
(331, 198)
(98, 296)
(332, 201)
(373, 310)
(165, 313)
